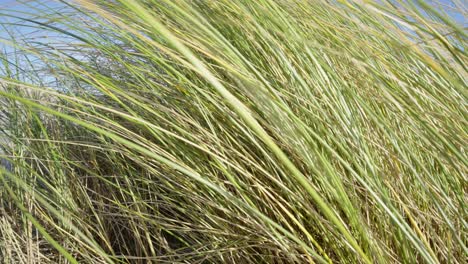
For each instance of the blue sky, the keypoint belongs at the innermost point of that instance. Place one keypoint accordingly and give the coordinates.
(32, 7)
(28, 8)
(448, 7)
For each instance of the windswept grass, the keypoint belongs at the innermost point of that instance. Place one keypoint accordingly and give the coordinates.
(177, 131)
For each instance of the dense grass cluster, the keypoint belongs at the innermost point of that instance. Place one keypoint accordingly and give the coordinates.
(221, 131)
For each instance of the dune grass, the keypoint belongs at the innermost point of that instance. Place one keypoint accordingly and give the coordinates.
(177, 131)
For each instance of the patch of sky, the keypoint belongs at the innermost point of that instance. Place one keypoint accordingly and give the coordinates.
(36, 25)
(30, 29)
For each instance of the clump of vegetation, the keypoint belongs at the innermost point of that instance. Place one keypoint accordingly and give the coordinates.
(177, 131)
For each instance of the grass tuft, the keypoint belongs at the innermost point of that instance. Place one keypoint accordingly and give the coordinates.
(178, 131)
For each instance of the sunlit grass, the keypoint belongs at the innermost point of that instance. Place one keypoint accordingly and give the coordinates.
(234, 132)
